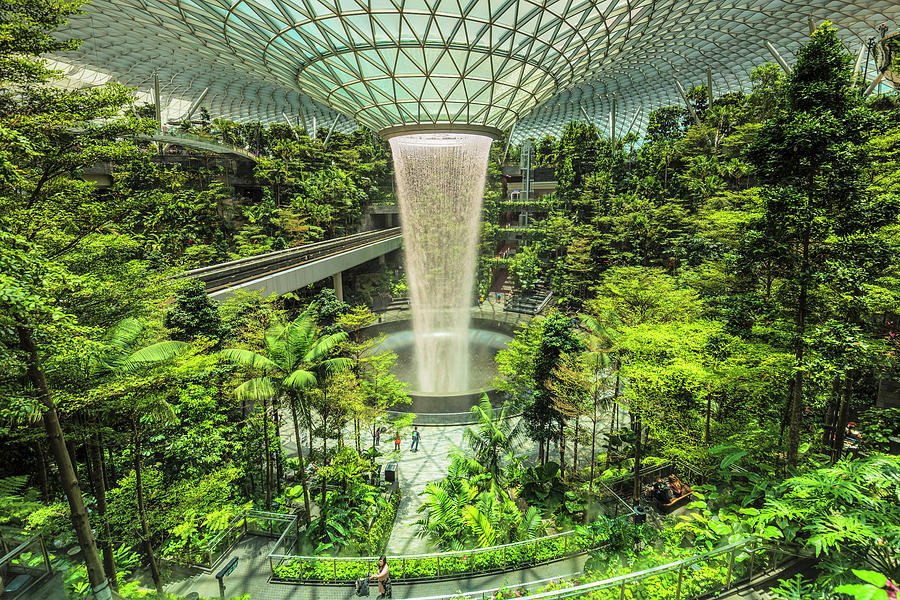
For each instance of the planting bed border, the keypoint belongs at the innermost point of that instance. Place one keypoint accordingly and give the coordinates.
(433, 563)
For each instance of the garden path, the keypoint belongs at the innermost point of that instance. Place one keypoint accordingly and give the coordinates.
(252, 577)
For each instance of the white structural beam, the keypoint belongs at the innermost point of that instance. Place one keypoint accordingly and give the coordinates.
(777, 56)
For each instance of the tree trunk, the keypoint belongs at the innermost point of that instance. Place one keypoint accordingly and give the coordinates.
(278, 458)
(562, 448)
(615, 410)
(593, 442)
(42, 471)
(67, 477)
(636, 489)
(797, 400)
(840, 425)
(95, 461)
(708, 416)
(324, 452)
(302, 465)
(265, 424)
(575, 447)
(145, 529)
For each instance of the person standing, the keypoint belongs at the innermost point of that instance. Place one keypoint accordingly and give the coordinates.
(397, 441)
(414, 446)
(383, 575)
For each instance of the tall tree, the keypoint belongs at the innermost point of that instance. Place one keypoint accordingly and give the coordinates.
(811, 156)
(297, 356)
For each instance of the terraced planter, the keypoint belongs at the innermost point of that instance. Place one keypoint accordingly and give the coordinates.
(447, 565)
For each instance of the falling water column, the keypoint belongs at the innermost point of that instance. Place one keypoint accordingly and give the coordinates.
(440, 184)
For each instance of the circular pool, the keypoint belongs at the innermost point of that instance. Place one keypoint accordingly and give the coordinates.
(483, 347)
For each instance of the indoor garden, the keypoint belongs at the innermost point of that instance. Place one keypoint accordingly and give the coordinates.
(656, 362)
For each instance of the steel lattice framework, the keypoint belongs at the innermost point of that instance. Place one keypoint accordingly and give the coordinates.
(494, 63)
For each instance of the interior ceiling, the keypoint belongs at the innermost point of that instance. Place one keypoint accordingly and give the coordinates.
(497, 63)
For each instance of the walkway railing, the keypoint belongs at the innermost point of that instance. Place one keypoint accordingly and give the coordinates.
(700, 575)
(437, 565)
(679, 580)
(23, 567)
(202, 143)
(488, 311)
(252, 522)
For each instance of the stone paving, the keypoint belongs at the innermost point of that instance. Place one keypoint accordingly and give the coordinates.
(252, 577)
(415, 470)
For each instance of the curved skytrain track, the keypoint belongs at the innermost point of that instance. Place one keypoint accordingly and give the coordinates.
(239, 273)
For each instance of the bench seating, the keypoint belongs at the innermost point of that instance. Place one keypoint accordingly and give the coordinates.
(674, 503)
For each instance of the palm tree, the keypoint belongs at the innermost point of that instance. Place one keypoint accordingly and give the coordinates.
(123, 357)
(493, 438)
(296, 359)
(598, 340)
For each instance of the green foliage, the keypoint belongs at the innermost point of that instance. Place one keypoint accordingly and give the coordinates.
(468, 510)
(16, 501)
(372, 540)
(876, 586)
(797, 588)
(193, 314)
(877, 426)
(634, 296)
(846, 514)
(486, 560)
(542, 487)
(493, 439)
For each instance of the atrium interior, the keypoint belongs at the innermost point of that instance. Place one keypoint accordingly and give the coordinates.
(450, 299)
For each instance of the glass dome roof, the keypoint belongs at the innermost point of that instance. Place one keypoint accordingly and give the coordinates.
(488, 63)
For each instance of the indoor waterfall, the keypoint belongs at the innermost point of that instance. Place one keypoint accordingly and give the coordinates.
(440, 183)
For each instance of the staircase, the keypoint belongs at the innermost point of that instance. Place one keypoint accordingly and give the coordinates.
(530, 303)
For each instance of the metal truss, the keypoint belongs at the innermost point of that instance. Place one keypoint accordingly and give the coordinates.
(489, 63)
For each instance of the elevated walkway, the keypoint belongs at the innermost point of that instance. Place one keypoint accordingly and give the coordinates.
(195, 141)
(284, 271)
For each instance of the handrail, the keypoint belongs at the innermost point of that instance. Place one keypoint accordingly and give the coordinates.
(18, 549)
(493, 591)
(211, 544)
(433, 554)
(544, 303)
(393, 232)
(245, 514)
(193, 137)
(623, 580)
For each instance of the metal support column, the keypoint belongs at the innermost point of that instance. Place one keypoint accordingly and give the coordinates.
(859, 59)
(874, 85)
(508, 141)
(687, 102)
(783, 63)
(195, 105)
(291, 125)
(330, 129)
(612, 120)
(709, 92)
(525, 159)
(301, 120)
(812, 24)
(157, 101)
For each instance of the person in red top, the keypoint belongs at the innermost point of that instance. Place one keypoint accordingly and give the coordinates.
(397, 441)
